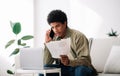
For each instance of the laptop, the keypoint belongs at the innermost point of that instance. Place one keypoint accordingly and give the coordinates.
(31, 58)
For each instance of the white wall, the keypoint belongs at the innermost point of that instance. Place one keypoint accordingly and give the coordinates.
(15, 11)
(94, 18)
(42, 8)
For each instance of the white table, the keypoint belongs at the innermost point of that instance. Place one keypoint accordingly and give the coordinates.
(18, 72)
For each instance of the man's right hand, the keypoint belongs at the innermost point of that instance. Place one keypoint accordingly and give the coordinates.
(47, 36)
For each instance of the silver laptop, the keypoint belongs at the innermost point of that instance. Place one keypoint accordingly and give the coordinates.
(31, 58)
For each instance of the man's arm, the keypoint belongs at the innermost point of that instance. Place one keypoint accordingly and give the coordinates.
(47, 56)
(82, 52)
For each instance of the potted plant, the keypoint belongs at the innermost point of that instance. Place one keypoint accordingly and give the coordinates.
(20, 42)
(112, 33)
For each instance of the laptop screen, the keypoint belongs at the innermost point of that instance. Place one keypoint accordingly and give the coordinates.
(31, 58)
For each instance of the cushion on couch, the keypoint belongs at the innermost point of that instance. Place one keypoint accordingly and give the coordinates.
(100, 50)
(103, 74)
(113, 62)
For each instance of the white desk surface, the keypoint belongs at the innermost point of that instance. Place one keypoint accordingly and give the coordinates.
(48, 70)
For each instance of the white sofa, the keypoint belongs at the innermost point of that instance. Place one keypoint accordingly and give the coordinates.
(105, 55)
(100, 51)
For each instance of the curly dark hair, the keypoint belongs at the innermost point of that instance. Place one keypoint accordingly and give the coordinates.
(56, 16)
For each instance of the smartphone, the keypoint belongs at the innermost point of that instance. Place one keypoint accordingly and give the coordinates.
(52, 33)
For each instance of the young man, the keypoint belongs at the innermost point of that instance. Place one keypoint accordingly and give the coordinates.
(77, 62)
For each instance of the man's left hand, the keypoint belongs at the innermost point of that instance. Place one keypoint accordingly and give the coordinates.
(64, 59)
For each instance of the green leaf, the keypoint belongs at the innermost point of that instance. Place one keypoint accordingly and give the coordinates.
(19, 42)
(10, 72)
(9, 43)
(23, 44)
(13, 65)
(17, 28)
(27, 37)
(112, 30)
(15, 52)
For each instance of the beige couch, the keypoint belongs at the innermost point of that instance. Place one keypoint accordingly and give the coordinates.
(105, 55)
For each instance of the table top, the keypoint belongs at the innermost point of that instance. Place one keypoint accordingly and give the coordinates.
(44, 70)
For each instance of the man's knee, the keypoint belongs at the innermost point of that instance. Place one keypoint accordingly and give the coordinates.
(83, 71)
(81, 68)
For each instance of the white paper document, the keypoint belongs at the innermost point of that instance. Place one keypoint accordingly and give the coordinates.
(57, 48)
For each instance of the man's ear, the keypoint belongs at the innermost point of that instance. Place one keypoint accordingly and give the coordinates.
(65, 23)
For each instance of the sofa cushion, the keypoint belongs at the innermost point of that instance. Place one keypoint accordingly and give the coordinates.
(100, 49)
(113, 62)
(102, 74)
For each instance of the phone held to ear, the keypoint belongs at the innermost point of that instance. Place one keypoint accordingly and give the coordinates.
(52, 33)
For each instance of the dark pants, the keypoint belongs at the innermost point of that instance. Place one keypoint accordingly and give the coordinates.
(71, 71)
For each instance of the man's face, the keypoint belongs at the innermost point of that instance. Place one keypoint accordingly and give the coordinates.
(59, 28)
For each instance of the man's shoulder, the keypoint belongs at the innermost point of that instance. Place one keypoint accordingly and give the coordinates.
(76, 32)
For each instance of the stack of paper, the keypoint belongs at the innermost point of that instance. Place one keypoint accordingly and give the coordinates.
(57, 48)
